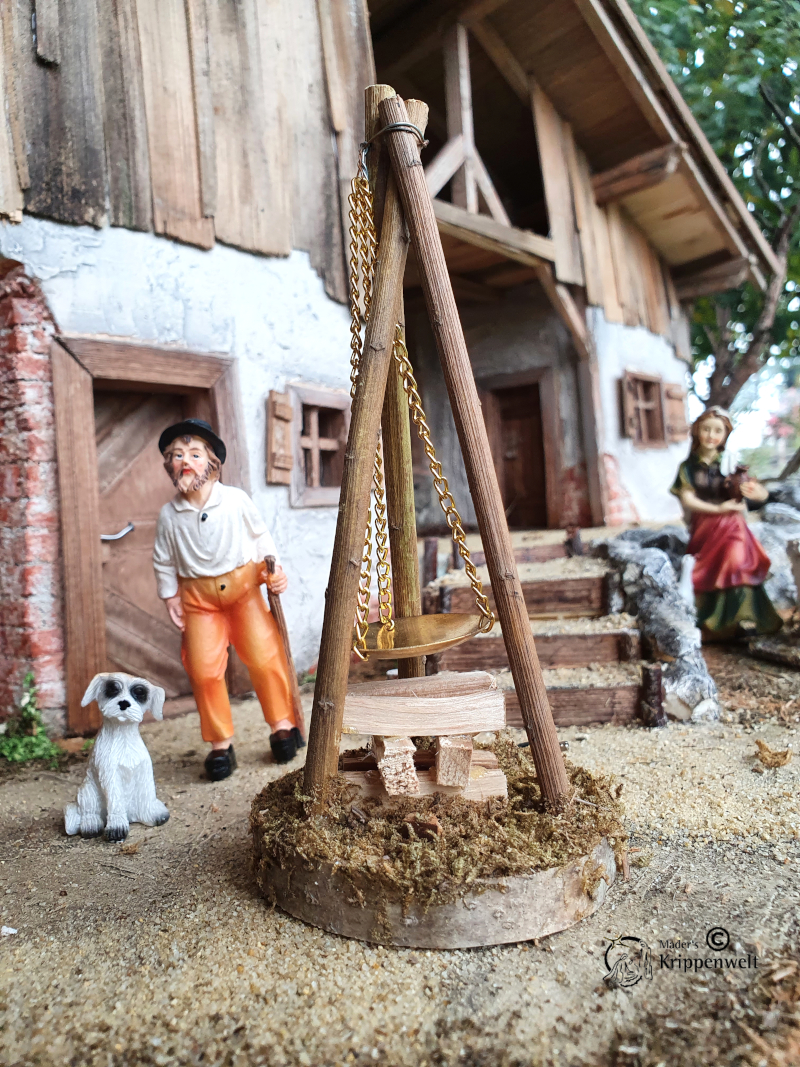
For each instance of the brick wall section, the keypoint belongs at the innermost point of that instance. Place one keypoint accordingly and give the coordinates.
(31, 616)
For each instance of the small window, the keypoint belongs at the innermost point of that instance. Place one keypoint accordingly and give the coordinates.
(643, 410)
(320, 423)
(322, 440)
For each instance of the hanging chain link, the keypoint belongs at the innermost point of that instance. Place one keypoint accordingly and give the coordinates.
(363, 254)
(363, 257)
(382, 566)
(448, 505)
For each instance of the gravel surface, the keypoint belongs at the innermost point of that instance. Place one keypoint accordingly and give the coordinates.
(162, 952)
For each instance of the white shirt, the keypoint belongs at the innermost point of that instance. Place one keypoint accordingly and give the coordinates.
(206, 542)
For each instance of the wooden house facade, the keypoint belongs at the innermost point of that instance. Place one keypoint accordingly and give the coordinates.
(173, 187)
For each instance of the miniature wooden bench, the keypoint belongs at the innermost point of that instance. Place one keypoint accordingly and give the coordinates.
(451, 707)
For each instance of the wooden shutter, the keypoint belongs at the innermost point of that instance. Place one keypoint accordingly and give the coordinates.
(279, 439)
(629, 390)
(677, 428)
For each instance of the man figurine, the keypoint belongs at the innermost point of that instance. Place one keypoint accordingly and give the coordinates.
(209, 562)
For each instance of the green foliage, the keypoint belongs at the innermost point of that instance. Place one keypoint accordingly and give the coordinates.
(720, 54)
(25, 737)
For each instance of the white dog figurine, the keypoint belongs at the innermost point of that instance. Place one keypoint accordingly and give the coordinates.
(119, 787)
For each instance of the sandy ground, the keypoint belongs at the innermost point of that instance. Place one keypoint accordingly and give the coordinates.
(161, 951)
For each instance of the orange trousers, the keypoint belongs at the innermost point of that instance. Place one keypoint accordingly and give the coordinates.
(230, 610)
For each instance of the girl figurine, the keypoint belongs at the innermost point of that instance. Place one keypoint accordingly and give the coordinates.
(730, 565)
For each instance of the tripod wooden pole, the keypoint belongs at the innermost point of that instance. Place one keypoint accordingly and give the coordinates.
(359, 458)
(395, 420)
(446, 325)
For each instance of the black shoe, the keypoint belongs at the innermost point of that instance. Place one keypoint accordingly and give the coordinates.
(220, 763)
(298, 737)
(283, 745)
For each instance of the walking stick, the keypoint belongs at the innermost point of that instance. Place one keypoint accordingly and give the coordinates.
(277, 613)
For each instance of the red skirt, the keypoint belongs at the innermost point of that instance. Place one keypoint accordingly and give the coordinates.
(726, 553)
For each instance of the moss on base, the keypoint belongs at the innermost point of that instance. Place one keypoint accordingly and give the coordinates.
(493, 839)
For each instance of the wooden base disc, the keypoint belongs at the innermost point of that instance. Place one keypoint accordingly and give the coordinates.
(496, 912)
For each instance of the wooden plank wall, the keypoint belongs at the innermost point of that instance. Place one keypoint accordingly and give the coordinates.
(600, 247)
(203, 120)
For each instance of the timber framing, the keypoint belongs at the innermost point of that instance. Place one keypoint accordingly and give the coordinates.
(641, 172)
(209, 384)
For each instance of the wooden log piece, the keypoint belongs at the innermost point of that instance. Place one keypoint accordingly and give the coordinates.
(383, 708)
(362, 442)
(465, 403)
(652, 696)
(453, 760)
(395, 759)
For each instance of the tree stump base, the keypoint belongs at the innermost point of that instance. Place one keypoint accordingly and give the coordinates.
(493, 912)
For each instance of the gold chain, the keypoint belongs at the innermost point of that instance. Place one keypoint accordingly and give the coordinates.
(363, 254)
(382, 566)
(448, 505)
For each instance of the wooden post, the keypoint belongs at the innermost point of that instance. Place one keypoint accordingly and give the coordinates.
(348, 548)
(395, 420)
(477, 455)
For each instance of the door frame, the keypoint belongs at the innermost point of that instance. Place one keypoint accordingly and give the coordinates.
(211, 385)
(545, 378)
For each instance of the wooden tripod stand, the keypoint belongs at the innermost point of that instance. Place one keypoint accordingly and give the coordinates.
(403, 209)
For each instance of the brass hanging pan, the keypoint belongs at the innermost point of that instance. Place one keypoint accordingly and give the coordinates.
(419, 635)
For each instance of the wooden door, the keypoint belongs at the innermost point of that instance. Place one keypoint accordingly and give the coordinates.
(519, 448)
(140, 638)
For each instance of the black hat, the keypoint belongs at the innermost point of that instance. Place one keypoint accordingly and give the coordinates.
(193, 428)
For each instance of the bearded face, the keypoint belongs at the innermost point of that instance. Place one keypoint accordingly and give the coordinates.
(190, 463)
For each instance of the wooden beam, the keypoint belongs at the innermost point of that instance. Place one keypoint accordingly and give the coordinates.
(714, 279)
(405, 42)
(458, 101)
(503, 58)
(477, 292)
(444, 165)
(622, 60)
(699, 139)
(488, 191)
(483, 232)
(563, 302)
(640, 172)
(551, 137)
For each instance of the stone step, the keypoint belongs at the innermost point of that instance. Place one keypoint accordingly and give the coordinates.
(585, 697)
(577, 587)
(564, 643)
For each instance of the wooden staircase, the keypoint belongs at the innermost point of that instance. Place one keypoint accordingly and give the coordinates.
(591, 657)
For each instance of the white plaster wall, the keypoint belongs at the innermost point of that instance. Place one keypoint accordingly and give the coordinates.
(271, 314)
(646, 473)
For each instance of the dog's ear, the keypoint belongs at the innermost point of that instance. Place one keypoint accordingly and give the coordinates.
(156, 705)
(93, 692)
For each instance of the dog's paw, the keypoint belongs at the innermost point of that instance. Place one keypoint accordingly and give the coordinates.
(161, 818)
(91, 826)
(117, 831)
